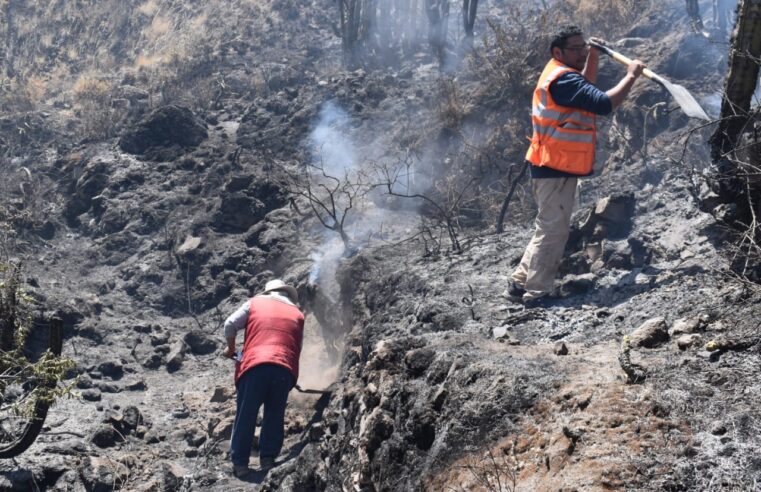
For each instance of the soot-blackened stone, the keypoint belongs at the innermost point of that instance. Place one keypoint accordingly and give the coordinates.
(166, 126)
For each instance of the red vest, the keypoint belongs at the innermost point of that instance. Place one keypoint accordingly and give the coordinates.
(274, 332)
(564, 138)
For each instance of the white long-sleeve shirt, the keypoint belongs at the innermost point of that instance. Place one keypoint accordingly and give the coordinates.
(237, 321)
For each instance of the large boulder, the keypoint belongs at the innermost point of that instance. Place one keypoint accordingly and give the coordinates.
(610, 218)
(165, 127)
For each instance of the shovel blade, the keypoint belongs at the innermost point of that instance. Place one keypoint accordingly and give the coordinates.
(685, 100)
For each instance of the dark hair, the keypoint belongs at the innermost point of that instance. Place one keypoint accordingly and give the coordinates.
(560, 38)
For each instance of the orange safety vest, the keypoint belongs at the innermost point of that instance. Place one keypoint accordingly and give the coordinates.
(564, 138)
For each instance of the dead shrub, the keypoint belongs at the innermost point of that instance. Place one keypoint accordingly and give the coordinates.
(511, 59)
(452, 107)
(89, 88)
(494, 471)
(92, 97)
(20, 94)
(606, 19)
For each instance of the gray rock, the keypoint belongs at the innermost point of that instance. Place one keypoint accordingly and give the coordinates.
(153, 437)
(236, 212)
(164, 127)
(375, 428)
(175, 357)
(131, 93)
(84, 382)
(685, 325)
(650, 334)
(138, 385)
(200, 343)
(68, 447)
(616, 208)
(113, 369)
(222, 394)
(152, 361)
(105, 436)
(686, 341)
(195, 437)
(417, 361)
(224, 429)
(162, 349)
(422, 427)
(610, 218)
(161, 338)
(131, 417)
(439, 398)
(100, 474)
(560, 348)
(191, 244)
(91, 394)
(718, 429)
(22, 479)
(316, 432)
(577, 284)
(109, 387)
(91, 182)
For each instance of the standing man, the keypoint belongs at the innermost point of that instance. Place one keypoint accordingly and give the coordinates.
(265, 372)
(562, 149)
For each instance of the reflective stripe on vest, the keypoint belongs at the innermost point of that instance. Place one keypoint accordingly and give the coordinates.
(564, 138)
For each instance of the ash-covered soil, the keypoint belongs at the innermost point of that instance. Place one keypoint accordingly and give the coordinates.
(145, 240)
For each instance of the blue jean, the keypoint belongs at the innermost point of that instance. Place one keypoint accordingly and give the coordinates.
(267, 385)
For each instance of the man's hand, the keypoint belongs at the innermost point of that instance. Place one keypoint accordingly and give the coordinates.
(228, 353)
(635, 68)
(598, 41)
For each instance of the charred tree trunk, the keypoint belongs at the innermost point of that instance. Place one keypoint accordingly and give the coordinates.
(736, 143)
(438, 21)
(745, 52)
(469, 9)
(10, 38)
(378, 31)
(693, 10)
(349, 12)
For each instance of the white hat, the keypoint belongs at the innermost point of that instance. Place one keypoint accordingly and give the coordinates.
(278, 284)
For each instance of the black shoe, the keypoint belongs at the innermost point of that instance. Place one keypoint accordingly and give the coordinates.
(241, 471)
(514, 291)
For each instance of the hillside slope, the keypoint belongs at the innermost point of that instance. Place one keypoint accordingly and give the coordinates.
(158, 152)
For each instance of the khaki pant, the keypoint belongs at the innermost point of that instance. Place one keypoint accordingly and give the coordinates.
(556, 198)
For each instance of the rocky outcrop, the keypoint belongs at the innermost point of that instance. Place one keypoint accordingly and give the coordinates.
(166, 127)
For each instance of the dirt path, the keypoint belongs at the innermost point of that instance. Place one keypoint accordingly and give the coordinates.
(583, 437)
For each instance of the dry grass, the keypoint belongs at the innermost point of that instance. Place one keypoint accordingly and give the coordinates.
(35, 89)
(149, 8)
(160, 26)
(90, 88)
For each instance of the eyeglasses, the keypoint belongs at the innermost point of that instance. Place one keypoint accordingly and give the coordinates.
(577, 48)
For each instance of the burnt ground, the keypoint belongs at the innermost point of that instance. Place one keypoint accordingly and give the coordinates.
(145, 241)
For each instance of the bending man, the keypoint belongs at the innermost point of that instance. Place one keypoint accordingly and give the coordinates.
(265, 372)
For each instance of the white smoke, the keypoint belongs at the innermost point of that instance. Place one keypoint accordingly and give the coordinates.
(333, 151)
(331, 147)
(323, 272)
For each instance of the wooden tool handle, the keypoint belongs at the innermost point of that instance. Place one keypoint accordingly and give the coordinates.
(623, 60)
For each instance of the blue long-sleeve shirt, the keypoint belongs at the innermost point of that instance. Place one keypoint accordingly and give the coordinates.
(574, 91)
